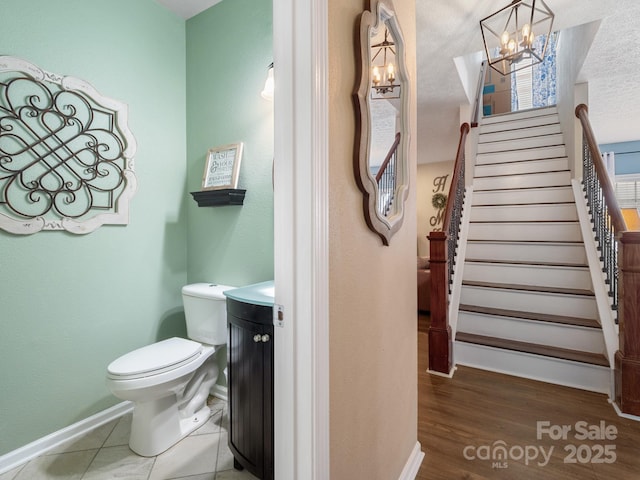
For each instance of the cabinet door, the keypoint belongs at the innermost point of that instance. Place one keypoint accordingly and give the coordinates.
(250, 368)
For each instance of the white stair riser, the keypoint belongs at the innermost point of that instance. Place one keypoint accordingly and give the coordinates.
(543, 141)
(521, 196)
(528, 166)
(553, 232)
(509, 117)
(548, 276)
(520, 155)
(581, 306)
(561, 372)
(524, 213)
(520, 133)
(530, 180)
(518, 124)
(541, 333)
(528, 252)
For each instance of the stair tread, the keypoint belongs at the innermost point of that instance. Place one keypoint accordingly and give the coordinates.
(519, 204)
(519, 124)
(529, 288)
(527, 242)
(541, 159)
(527, 263)
(564, 170)
(514, 135)
(511, 116)
(555, 134)
(532, 348)
(514, 189)
(540, 317)
(523, 221)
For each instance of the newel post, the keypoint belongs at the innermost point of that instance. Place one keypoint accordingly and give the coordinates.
(440, 345)
(627, 375)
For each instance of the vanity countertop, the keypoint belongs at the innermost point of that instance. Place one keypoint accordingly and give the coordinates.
(256, 294)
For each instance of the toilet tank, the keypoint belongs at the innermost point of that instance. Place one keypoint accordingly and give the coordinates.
(205, 312)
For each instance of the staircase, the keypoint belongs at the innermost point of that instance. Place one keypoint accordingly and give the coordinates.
(527, 306)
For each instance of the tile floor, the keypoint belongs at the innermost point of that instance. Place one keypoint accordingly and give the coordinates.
(104, 454)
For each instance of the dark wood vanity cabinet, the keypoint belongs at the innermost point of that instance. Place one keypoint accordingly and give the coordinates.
(250, 387)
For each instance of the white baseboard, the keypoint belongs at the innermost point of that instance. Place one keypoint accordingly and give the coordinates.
(412, 466)
(34, 449)
(445, 375)
(622, 414)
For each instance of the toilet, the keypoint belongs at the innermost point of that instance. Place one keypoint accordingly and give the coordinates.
(169, 381)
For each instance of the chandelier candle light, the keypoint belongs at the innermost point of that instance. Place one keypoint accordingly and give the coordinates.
(509, 35)
(383, 74)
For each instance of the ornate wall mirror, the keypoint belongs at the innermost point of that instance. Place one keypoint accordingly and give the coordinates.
(382, 124)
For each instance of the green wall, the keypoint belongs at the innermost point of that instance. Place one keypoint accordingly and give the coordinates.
(71, 304)
(229, 47)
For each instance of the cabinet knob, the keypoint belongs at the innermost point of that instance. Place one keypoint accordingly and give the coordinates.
(265, 338)
(257, 338)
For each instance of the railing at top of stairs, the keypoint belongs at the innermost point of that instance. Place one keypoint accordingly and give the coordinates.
(606, 215)
(477, 106)
(442, 249)
(386, 178)
(620, 256)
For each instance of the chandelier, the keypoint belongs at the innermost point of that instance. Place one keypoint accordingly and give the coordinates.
(383, 70)
(510, 34)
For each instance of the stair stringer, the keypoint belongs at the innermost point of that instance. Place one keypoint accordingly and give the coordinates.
(598, 279)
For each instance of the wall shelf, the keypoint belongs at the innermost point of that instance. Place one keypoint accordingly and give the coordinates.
(218, 198)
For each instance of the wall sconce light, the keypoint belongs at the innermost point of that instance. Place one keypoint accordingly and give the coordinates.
(267, 91)
(508, 35)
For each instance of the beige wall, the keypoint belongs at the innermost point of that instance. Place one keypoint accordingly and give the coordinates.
(431, 180)
(373, 333)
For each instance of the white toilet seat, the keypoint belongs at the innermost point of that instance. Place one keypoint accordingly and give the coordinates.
(154, 359)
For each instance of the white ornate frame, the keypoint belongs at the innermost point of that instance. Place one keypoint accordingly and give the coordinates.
(381, 15)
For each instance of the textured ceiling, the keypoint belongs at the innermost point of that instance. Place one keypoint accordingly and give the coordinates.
(448, 29)
(612, 69)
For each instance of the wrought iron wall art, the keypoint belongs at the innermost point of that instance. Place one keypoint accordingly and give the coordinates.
(66, 153)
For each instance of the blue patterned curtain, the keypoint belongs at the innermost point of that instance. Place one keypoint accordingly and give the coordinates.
(544, 74)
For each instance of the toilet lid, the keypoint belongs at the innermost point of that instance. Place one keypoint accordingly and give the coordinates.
(164, 355)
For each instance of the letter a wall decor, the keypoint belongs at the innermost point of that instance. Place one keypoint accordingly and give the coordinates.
(66, 153)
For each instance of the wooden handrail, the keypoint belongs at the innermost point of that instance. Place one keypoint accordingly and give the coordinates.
(619, 225)
(475, 116)
(388, 158)
(457, 171)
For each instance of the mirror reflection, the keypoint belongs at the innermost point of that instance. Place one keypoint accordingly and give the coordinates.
(381, 110)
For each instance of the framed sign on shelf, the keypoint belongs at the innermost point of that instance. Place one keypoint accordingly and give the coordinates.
(222, 167)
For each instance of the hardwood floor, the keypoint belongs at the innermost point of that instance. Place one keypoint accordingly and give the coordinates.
(461, 420)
